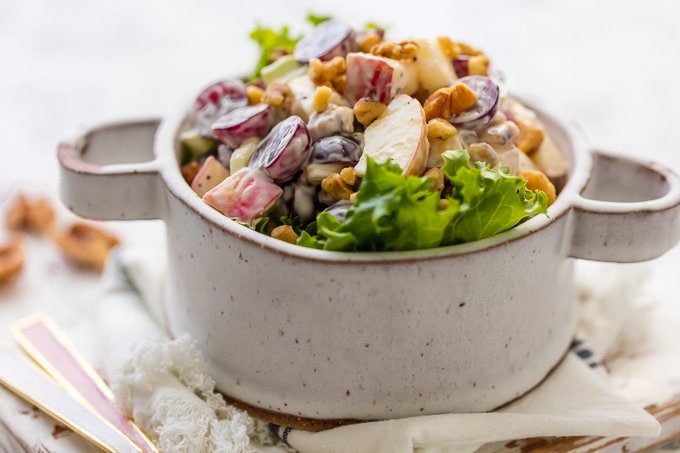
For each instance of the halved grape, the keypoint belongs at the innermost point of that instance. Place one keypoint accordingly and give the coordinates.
(336, 148)
(482, 112)
(235, 127)
(247, 194)
(217, 99)
(215, 93)
(284, 150)
(339, 209)
(329, 39)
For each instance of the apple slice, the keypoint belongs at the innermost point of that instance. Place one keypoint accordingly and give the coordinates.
(400, 135)
(517, 160)
(247, 194)
(549, 159)
(211, 173)
(377, 78)
(434, 69)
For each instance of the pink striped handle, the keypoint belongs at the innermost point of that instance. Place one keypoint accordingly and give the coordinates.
(47, 346)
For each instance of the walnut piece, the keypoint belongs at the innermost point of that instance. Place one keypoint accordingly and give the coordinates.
(450, 48)
(189, 171)
(321, 97)
(449, 101)
(441, 129)
(367, 111)
(404, 50)
(366, 41)
(467, 49)
(478, 65)
(328, 73)
(36, 216)
(11, 259)
(336, 187)
(86, 245)
(285, 233)
(254, 94)
(277, 94)
(349, 176)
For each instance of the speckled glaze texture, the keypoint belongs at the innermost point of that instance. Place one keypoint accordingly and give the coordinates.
(330, 335)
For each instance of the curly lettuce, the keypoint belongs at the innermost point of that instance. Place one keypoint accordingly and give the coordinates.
(492, 200)
(269, 40)
(397, 212)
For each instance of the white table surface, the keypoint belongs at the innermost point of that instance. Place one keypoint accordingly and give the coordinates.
(612, 66)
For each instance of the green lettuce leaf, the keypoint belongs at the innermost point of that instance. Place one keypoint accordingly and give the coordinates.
(391, 212)
(491, 200)
(397, 212)
(270, 40)
(373, 26)
(317, 19)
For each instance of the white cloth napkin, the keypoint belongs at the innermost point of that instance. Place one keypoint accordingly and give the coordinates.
(164, 385)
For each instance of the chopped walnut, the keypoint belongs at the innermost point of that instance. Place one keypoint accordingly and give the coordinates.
(285, 233)
(478, 65)
(321, 97)
(367, 111)
(328, 73)
(441, 129)
(404, 50)
(11, 259)
(349, 176)
(36, 216)
(277, 94)
(366, 41)
(15, 219)
(336, 187)
(86, 245)
(449, 101)
(254, 94)
(467, 49)
(450, 48)
(189, 171)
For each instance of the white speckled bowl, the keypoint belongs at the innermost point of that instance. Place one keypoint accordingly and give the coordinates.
(335, 336)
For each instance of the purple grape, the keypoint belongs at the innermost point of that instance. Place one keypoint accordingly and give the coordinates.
(335, 148)
(284, 150)
(235, 127)
(224, 153)
(480, 114)
(215, 93)
(217, 99)
(329, 39)
(339, 209)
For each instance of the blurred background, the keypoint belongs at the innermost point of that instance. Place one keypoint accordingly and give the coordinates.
(611, 66)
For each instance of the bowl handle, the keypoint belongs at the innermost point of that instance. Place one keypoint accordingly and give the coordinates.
(629, 211)
(108, 172)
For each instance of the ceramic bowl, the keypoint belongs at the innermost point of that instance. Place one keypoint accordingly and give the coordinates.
(309, 337)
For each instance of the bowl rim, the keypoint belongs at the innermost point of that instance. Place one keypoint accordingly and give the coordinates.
(166, 144)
